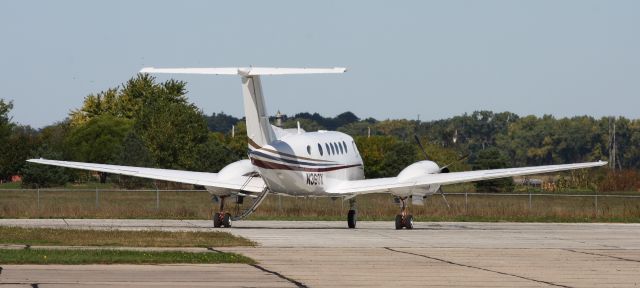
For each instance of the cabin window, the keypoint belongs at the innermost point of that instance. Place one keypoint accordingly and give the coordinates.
(309, 149)
(328, 150)
(340, 146)
(344, 144)
(320, 149)
(333, 149)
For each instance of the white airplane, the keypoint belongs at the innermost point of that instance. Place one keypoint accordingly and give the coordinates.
(298, 163)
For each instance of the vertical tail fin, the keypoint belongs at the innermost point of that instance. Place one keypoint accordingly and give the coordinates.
(259, 130)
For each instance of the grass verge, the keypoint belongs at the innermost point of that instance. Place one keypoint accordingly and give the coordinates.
(74, 257)
(197, 205)
(69, 237)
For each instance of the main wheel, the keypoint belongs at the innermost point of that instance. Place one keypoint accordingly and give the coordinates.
(226, 220)
(351, 219)
(408, 222)
(217, 222)
(398, 222)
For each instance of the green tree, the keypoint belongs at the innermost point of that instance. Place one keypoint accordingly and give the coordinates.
(99, 140)
(171, 128)
(134, 153)
(18, 148)
(213, 155)
(129, 100)
(385, 156)
(38, 175)
(492, 158)
(5, 120)
(55, 135)
(6, 126)
(236, 146)
(172, 131)
(360, 128)
(306, 124)
(220, 122)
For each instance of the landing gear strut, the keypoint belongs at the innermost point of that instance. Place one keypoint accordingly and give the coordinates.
(404, 219)
(222, 219)
(352, 215)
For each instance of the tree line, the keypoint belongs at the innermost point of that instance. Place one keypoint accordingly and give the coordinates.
(148, 123)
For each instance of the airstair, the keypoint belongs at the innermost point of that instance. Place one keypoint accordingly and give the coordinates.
(257, 200)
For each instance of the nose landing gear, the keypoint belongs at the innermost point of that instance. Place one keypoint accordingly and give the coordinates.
(404, 219)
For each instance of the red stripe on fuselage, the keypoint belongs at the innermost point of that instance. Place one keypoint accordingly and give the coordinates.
(280, 166)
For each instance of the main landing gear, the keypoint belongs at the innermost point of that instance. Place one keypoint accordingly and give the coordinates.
(404, 219)
(222, 219)
(352, 215)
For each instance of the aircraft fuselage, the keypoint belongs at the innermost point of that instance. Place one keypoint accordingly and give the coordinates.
(305, 163)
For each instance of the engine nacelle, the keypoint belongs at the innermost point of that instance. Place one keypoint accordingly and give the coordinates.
(418, 169)
(238, 168)
(233, 170)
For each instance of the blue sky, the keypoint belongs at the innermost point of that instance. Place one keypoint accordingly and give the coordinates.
(432, 58)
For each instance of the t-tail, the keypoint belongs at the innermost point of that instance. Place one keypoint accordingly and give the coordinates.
(259, 130)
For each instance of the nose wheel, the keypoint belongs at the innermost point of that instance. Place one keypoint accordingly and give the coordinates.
(404, 219)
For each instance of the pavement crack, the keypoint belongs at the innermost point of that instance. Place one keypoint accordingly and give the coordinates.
(602, 255)
(479, 268)
(65, 222)
(214, 250)
(292, 281)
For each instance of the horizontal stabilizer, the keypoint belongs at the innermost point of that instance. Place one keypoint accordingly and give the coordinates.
(244, 71)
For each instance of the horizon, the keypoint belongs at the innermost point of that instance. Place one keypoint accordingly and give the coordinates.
(291, 116)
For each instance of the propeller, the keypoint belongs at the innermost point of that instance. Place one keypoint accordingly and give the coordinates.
(415, 136)
(443, 197)
(445, 168)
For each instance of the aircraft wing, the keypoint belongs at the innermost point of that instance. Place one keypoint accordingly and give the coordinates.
(197, 178)
(387, 185)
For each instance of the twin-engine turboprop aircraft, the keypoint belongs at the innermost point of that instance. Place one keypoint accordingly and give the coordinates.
(298, 163)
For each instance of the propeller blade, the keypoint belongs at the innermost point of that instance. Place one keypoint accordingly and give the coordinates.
(454, 162)
(421, 147)
(444, 198)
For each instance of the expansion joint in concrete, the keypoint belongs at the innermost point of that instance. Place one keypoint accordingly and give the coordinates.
(292, 281)
(602, 255)
(478, 268)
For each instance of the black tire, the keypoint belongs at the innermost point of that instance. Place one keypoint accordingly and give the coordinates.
(217, 223)
(351, 219)
(226, 220)
(398, 222)
(408, 222)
